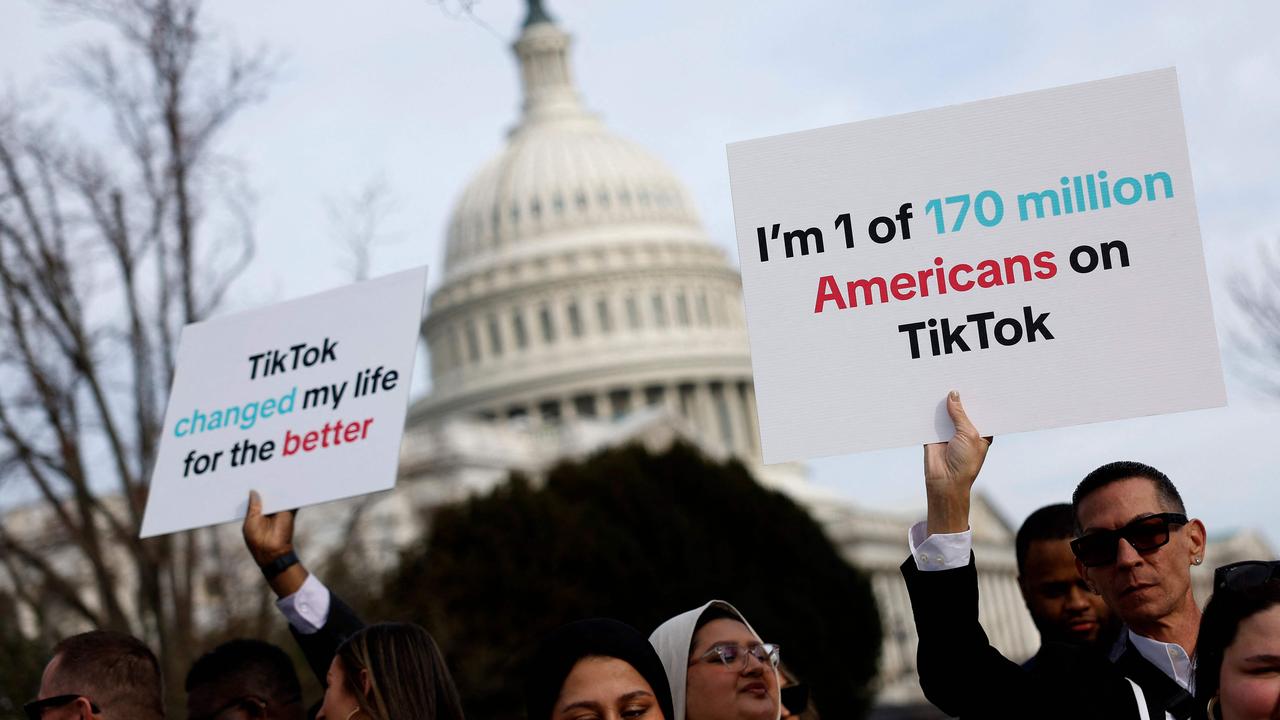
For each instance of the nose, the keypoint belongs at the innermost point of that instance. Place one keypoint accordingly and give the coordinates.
(1126, 555)
(753, 665)
(1077, 598)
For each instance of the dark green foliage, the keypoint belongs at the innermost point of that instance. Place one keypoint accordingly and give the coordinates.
(639, 537)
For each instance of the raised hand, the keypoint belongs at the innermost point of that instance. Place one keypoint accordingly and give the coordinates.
(950, 469)
(267, 536)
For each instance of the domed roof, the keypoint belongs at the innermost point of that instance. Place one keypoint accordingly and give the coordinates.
(561, 169)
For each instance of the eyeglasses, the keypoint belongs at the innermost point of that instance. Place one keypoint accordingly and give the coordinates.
(1144, 534)
(1246, 575)
(734, 657)
(35, 709)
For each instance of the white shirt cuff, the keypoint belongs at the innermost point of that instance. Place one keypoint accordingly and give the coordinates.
(307, 609)
(943, 551)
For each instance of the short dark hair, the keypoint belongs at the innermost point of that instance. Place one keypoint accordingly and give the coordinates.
(1221, 623)
(1168, 495)
(116, 671)
(248, 667)
(1051, 522)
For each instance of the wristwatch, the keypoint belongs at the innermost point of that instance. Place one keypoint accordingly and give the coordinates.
(279, 565)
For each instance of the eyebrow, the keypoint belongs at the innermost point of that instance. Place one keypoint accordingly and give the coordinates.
(1267, 659)
(593, 705)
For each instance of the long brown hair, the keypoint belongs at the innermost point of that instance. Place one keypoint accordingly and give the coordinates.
(408, 679)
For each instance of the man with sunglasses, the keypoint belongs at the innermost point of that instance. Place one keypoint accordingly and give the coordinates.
(1136, 548)
(1139, 547)
(99, 675)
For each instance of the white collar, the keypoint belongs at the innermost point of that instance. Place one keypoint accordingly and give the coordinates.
(1169, 657)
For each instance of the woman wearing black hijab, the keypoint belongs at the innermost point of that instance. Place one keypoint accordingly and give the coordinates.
(597, 670)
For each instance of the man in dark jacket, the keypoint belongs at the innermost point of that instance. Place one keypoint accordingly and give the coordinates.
(1135, 549)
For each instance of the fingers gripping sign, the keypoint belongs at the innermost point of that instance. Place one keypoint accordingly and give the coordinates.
(950, 469)
(267, 536)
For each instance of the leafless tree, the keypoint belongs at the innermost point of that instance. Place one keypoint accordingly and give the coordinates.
(1256, 293)
(357, 224)
(106, 251)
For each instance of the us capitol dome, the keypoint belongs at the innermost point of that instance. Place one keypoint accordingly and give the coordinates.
(578, 281)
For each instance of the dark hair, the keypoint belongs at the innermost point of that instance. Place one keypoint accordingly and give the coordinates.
(1218, 627)
(1169, 497)
(114, 670)
(1051, 522)
(245, 666)
(561, 652)
(407, 674)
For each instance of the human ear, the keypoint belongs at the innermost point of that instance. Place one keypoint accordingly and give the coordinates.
(366, 685)
(1195, 540)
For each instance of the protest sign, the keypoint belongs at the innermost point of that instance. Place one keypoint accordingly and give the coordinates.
(1039, 253)
(303, 401)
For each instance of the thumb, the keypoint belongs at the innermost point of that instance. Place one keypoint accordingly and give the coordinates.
(964, 426)
(255, 504)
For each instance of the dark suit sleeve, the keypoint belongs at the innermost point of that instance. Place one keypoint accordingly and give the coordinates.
(319, 647)
(960, 671)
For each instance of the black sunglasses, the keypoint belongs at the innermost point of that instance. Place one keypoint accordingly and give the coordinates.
(1144, 534)
(1245, 575)
(35, 709)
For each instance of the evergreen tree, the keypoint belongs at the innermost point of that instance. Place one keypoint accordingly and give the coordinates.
(639, 537)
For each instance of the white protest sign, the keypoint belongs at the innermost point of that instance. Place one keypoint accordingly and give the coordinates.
(303, 401)
(1039, 253)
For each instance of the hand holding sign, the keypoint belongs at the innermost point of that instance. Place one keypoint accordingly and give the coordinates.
(950, 468)
(268, 537)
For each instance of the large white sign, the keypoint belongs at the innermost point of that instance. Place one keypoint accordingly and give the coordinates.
(1040, 253)
(303, 401)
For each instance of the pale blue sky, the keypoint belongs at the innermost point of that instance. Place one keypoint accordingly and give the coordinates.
(402, 89)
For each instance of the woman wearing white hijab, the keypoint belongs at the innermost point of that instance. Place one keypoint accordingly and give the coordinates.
(718, 667)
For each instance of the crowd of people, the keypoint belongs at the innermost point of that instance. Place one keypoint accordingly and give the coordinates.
(1106, 579)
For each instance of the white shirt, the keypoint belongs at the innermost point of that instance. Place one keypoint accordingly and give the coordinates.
(307, 609)
(1169, 657)
(948, 551)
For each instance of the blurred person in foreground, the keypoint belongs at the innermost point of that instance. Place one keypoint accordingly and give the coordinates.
(101, 675)
(1238, 650)
(386, 671)
(243, 679)
(1061, 604)
(1134, 546)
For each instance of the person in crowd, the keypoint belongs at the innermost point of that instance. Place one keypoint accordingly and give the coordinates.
(601, 669)
(1238, 647)
(1135, 548)
(1061, 604)
(387, 671)
(101, 675)
(717, 665)
(244, 678)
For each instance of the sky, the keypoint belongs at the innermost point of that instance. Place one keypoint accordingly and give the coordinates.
(419, 95)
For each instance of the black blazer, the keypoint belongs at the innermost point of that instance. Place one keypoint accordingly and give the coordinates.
(319, 647)
(962, 674)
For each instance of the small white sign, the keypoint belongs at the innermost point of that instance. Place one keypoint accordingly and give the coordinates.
(303, 401)
(1040, 253)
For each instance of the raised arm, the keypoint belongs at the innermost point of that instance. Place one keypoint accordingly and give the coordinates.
(319, 620)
